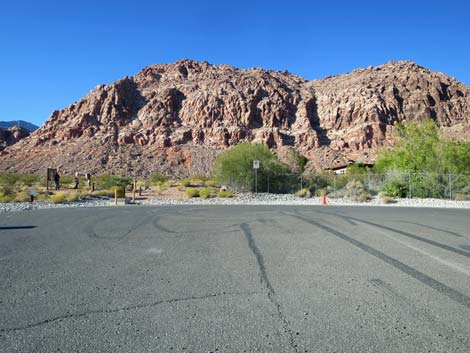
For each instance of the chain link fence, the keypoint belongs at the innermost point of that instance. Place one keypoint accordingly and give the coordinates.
(399, 185)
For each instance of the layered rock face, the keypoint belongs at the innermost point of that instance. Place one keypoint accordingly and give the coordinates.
(175, 118)
(10, 136)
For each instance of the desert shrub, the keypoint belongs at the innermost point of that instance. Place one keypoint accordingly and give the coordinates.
(356, 191)
(6, 198)
(73, 197)
(211, 183)
(22, 197)
(364, 197)
(461, 196)
(395, 185)
(58, 197)
(385, 199)
(186, 182)
(224, 193)
(321, 192)
(196, 182)
(234, 167)
(106, 181)
(305, 192)
(192, 192)
(205, 193)
(120, 190)
(13, 178)
(158, 179)
(103, 193)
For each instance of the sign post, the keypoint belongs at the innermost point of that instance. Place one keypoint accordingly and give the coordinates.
(50, 176)
(256, 167)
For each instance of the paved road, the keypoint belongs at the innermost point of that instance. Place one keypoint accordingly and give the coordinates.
(235, 279)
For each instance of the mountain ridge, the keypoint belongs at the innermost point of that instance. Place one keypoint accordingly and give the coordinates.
(175, 118)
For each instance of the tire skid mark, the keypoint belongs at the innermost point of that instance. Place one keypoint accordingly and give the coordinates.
(92, 234)
(265, 279)
(406, 234)
(423, 278)
(119, 309)
(434, 228)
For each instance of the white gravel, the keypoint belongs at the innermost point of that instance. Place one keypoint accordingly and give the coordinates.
(276, 199)
(242, 199)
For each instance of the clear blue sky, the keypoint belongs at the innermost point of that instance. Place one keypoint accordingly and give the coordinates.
(54, 52)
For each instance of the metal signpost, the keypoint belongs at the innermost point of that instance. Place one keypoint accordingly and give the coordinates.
(256, 167)
(50, 176)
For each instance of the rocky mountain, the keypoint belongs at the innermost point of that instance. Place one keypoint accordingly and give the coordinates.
(21, 123)
(10, 136)
(175, 118)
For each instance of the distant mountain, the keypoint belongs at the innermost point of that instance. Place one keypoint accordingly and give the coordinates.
(24, 124)
(175, 118)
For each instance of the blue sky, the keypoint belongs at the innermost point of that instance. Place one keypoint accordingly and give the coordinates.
(54, 52)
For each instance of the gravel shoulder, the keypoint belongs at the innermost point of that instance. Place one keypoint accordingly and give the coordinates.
(241, 199)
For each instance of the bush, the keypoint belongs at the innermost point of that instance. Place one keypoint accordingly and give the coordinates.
(73, 197)
(6, 198)
(109, 181)
(121, 191)
(224, 193)
(305, 192)
(385, 199)
(211, 183)
(196, 182)
(396, 185)
(22, 197)
(158, 179)
(186, 182)
(191, 192)
(321, 192)
(356, 191)
(364, 196)
(58, 197)
(205, 193)
(234, 167)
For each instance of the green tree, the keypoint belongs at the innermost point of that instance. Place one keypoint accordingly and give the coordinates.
(235, 167)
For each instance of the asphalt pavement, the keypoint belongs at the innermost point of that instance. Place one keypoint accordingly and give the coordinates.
(235, 279)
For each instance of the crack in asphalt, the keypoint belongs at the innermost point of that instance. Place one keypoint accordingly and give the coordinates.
(423, 278)
(265, 279)
(124, 308)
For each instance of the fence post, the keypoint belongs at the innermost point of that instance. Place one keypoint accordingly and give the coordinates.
(450, 186)
(409, 186)
(334, 184)
(368, 181)
(301, 181)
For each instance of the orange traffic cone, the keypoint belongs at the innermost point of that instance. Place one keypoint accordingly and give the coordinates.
(323, 201)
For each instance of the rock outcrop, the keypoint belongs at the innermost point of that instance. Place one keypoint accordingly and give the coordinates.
(175, 118)
(10, 136)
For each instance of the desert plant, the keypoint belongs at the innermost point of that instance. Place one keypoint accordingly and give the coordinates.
(321, 192)
(385, 199)
(158, 179)
(186, 182)
(211, 183)
(234, 167)
(6, 198)
(205, 193)
(192, 192)
(224, 193)
(58, 197)
(109, 181)
(22, 197)
(364, 197)
(305, 192)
